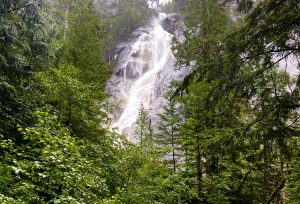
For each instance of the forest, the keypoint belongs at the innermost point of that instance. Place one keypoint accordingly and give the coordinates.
(228, 132)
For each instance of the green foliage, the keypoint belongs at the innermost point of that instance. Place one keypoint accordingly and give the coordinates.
(23, 48)
(174, 6)
(61, 158)
(143, 130)
(84, 43)
(148, 180)
(231, 126)
(79, 89)
(77, 103)
(168, 126)
(293, 187)
(130, 14)
(240, 119)
(51, 166)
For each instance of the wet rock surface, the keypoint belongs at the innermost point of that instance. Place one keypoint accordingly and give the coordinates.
(146, 63)
(171, 22)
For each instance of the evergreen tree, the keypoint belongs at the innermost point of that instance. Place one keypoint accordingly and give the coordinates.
(84, 44)
(234, 119)
(245, 105)
(23, 49)
(169, 130)
(143, 130)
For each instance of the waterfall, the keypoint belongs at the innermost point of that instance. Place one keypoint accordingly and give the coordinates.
(148, 55)
(145, 66)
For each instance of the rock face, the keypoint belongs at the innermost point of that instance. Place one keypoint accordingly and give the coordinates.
(145, 66)
(171, 22)
(129, 55)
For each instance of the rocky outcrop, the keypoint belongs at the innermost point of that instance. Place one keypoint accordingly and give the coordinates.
(145, 67)
(172, 22)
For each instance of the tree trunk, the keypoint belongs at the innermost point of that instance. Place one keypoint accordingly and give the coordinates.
(199, 172)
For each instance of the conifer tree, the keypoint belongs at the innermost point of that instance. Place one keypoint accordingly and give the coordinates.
(169, 130)
(143, 130)
(23, 49)
(247, 112)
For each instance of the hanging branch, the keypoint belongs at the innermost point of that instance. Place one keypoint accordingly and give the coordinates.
(242, 183)
(276, 191)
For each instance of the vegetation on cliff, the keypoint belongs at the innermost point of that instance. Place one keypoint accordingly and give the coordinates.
(229, 132)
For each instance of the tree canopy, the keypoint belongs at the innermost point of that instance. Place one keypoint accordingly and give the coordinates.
(227, 133)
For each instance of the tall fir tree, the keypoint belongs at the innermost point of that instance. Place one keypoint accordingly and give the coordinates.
(168, 127)
(143, 131)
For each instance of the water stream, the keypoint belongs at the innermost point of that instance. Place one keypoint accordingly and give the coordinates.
(147, 57)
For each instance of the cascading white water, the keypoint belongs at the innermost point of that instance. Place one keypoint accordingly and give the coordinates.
(148, 56)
